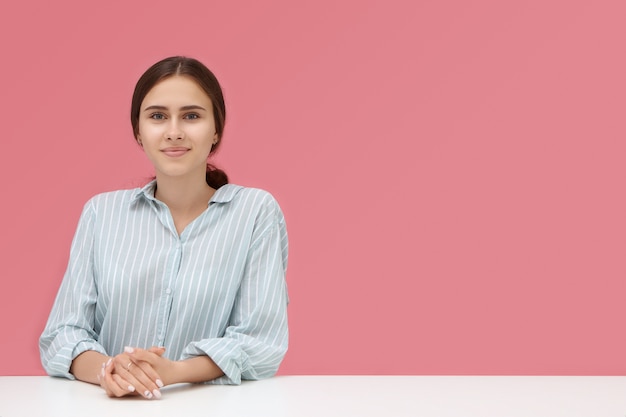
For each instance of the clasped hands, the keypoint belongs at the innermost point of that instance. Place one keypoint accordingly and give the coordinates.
(136, 372)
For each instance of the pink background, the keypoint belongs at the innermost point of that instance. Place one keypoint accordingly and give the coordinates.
(452, 172)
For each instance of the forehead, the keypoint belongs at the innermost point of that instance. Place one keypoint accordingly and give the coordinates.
(174, 91)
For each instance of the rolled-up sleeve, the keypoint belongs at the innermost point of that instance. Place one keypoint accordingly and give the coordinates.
(70, 327)
(256, 340)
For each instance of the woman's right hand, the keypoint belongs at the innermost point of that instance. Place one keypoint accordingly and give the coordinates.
(120, 377)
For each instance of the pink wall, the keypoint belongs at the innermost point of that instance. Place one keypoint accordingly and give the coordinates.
(452, 172)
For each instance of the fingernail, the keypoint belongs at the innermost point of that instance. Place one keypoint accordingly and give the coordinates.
(129, 349)
(102, 370)
(157, 394)
(147, 394)
(159, 383)
(109, 361)
(131, 388)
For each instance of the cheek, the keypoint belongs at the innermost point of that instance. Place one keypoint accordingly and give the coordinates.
(199, 129)
(147, 130)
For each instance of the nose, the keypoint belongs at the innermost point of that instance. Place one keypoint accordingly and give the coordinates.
(174, 132)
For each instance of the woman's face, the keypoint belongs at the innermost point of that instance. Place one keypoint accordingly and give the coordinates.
(176, 128)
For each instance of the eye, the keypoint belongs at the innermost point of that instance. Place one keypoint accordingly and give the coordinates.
(192, 116)
(157, 116)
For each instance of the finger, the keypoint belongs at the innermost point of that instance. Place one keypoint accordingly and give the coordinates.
(147, 360)
(122, 383)
(134, 376)
(157, 350)
(143, 355)
(125, 386)
(103, 380)
(151, 375)
(146, 386)
(115, 386)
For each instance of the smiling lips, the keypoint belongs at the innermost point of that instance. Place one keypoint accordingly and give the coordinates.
(175, 151)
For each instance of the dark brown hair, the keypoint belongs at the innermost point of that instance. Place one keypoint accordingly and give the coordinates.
(189, 67)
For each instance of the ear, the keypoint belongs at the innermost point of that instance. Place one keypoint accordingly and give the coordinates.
(138, 138)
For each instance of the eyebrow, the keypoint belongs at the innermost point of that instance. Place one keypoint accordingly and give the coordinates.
(184, 108)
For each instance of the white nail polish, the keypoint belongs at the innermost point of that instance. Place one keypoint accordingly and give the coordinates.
(159, 383)
(109, 361)
(129, 349)
(157, 394)
(131, 388)
(147, 394)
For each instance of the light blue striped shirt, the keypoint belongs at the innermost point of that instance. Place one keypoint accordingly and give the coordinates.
(218, 289)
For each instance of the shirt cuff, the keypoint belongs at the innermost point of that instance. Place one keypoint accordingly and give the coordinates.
(60, 364)
(227, 355)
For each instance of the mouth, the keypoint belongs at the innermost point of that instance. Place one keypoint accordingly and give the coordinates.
(175, 152)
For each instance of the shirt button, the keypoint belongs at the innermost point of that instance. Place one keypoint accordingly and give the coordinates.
(168, 291)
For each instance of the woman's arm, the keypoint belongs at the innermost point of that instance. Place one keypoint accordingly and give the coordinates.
(256, 339)
(197, 369)
(87, 366)
(70, 328)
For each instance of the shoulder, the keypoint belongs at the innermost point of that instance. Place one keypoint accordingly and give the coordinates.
(256, 210)
(251, 203)
(244, 196)
(113, 200)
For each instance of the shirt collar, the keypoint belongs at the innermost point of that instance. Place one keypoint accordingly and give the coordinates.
(224, 194)
(147, 191)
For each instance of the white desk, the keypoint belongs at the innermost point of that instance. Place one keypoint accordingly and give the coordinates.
(327, 396)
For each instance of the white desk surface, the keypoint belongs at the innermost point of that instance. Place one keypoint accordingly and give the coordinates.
(327, 396)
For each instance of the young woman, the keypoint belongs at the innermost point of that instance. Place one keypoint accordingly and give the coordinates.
(182, 280)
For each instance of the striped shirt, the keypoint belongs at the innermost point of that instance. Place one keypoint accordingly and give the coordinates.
(217, 289)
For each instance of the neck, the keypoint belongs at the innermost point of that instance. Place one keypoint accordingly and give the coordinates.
(183, 194)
